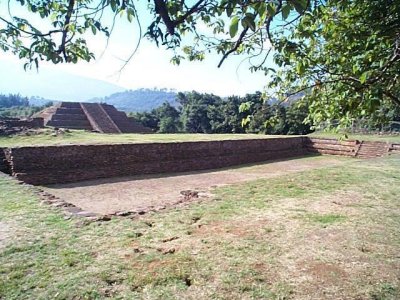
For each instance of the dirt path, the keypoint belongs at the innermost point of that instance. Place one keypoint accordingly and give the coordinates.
(105, 196)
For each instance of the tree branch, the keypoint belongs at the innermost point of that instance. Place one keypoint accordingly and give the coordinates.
(29, 32)
(161, 9)
(194, 9)
(65, 30)
(392, 97)
(237, 44)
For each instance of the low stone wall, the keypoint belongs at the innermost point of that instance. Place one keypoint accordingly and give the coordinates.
(3, 162)
(394, 149)
(9, 126)
(354, 148)
(332, 146)
(28, 122)
(72, 163)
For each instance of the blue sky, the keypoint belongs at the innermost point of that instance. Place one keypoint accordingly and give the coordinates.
(150, 66)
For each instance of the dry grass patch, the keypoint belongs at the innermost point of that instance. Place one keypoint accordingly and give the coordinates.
(48, 136)
(329, 233)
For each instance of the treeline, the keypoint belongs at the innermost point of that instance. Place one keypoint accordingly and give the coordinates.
(207, 113)
(14, 105)
(11, 100)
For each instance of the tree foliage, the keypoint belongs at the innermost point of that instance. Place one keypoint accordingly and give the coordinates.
(15, 105)
(346, 56)
(343, 54)
(207, 113)
(10, 100)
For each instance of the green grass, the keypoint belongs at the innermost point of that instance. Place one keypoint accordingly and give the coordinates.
(362, 137)
(47, 137)
(385, 291)
(325, 219)
(255, 240)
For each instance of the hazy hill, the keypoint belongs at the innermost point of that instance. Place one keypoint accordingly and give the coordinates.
(139, 100)
(51, 84)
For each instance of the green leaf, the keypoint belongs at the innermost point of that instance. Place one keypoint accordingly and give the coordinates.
(229, 11)
(286, 11)
(300, 68)
(233, 28)
(355, 69)
(248, 21)
(271, 8)
(363, 77)
(262, 7)
(130, 17)
(300, 5)
(246, 121)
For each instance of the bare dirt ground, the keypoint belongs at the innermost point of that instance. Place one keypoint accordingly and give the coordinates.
(322, 262)
(111, 195)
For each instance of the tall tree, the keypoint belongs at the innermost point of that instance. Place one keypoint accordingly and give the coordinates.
(194, 115)
(225, 116)
(168, 118)
(345, 54)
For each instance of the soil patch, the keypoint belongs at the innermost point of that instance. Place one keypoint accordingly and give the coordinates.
(108, 196)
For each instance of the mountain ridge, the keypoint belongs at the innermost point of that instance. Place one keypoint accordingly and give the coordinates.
(139, 100)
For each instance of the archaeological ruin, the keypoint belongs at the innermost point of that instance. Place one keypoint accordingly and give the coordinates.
(98, 117)
(41, 165)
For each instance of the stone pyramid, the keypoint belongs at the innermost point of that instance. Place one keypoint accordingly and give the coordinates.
(99, 117)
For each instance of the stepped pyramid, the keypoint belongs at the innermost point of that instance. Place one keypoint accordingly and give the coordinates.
(99, 117)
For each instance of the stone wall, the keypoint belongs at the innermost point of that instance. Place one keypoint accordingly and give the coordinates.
(394, 149)
(9, 126)
(72, 163)
(28, 122)
(332, 146)
(3, 162)
(354, 148)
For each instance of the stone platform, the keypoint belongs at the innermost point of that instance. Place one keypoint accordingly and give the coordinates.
(98, 117)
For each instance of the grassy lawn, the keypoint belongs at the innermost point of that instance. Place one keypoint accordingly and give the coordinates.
(330, 233)
(46, 137)
(361, 137)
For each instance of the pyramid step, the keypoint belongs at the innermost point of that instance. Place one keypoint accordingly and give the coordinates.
(70, 105)
(88, 128)
(57, 117)
(69, 111)
(67, 123)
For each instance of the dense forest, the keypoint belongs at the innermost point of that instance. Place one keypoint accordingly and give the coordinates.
(208, 113)
(14, 105)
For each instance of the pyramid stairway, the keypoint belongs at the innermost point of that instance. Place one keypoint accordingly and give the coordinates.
(69, 115)
(99, 119)
(124, 124)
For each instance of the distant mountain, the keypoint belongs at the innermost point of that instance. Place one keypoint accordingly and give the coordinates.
(139, 100)
(51, 84)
